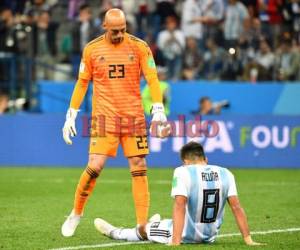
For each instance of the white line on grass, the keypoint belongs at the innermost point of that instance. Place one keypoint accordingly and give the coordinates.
(113, 244)
(297, 229)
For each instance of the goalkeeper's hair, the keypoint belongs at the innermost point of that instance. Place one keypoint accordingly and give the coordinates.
(192, 151)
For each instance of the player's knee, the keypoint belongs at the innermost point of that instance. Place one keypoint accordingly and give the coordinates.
(137, 162)
(96, 163)
(138, 167)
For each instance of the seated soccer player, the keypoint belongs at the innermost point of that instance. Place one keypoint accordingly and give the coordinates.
(200, 192)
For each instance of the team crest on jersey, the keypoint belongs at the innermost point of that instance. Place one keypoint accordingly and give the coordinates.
(102, 59)
(131, 58)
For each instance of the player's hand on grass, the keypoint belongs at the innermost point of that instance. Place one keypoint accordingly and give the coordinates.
(253, 243)
(171, 244)
(248, 240)
(159, 127)
(69, 128)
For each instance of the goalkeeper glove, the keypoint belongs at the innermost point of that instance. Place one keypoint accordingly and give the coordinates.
(69, 128)
(159, 120)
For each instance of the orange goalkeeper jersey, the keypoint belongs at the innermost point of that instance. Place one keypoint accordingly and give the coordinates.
(115, 71)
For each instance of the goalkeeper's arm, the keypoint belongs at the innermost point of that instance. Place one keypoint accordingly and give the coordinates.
(78, 95)
(158, 123)
(79, 92)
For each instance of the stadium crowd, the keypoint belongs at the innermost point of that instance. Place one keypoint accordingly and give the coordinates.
(245, 40)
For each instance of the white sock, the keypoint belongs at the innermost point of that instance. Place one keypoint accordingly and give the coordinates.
(129, 234)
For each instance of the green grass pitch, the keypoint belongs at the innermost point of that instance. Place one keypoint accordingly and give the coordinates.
(35, 201)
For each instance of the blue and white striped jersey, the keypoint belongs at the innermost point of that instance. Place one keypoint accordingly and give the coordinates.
(207, 189)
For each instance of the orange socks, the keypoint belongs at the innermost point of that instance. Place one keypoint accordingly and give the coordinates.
(85, 187)
(141, 194)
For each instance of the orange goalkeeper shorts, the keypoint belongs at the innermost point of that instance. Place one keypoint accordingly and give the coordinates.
(108, 145)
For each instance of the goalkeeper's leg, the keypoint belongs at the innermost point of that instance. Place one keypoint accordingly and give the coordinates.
(87, 181)
(84, 189)
(140, 190)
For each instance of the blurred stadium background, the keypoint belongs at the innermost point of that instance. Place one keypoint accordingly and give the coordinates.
(234, 62)
(237, 60)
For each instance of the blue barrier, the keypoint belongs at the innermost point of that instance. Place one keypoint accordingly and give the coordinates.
(249, 99)
(242, 141)
(55, 97)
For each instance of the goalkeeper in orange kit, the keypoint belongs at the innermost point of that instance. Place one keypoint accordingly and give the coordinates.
(114, 62)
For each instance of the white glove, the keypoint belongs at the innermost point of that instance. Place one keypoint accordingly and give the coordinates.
(69, 128)
(159, 121)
